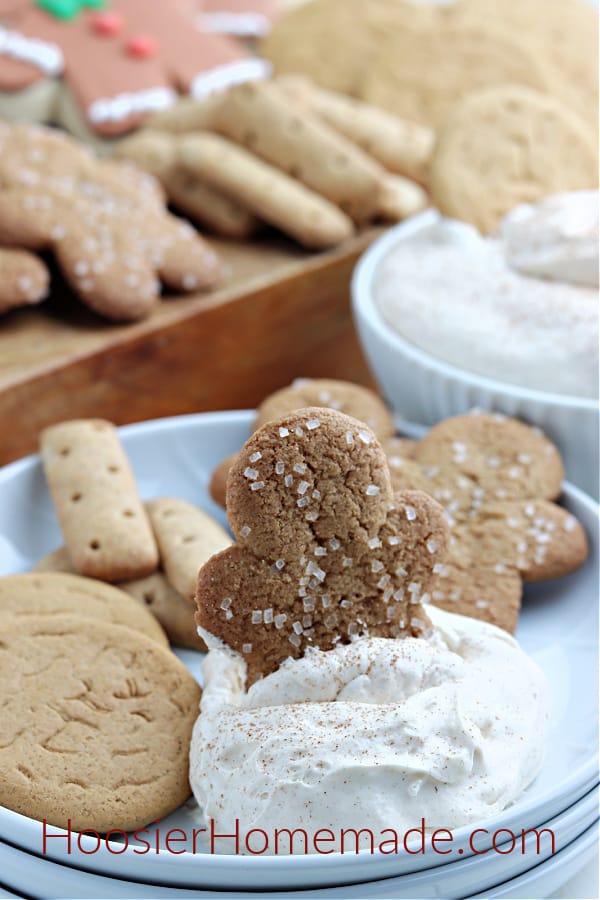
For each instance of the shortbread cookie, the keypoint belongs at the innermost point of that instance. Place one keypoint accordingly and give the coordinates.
(352, 399)
(157, 152)
(508, 145)
(404, 81)
(96, 724)
(261, 118)
(188, 114)
(118, 65)
(400, 146)
(174, 612)
(105, 223)
(495, 477)
(266, 191)
(38, 594)
(103, 521)
(56, 561)
(400, 198)
(326, 551)
(23, 279)
(336, 42)
(187, 537)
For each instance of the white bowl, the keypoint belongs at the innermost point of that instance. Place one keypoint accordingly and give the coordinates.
(558, 628)
(25, 872)
(423, 388)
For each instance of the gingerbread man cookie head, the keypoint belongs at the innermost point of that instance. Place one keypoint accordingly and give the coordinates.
(326, 551)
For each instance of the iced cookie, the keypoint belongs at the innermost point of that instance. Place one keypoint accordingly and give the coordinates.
(111, 66)
(105, 223)
(96, 724)
(495, 477)
(326, 551)
(34, 596)
(508, 145)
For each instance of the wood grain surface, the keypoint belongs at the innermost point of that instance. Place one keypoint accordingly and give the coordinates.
(281, 313)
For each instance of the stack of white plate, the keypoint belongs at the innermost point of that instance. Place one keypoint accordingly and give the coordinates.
(558, 628)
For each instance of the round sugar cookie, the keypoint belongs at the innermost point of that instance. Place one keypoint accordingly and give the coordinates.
(96, 724)
(334, 42)
(41, 595)
(563, 32)
(507, 145)
(420, 74)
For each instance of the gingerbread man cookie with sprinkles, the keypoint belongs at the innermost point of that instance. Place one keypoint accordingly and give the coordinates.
(105, 223)
(99, 69)
(326, 552)
(496, 478)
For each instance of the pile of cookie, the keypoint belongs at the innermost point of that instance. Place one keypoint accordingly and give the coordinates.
(151, 551)
(104, 222)
(510, 88)
(312, 163)
(496, 479)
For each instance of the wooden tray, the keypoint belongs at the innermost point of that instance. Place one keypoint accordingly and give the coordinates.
(281, 314)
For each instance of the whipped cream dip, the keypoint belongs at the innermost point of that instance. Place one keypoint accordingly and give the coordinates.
(520, 307)
(377, 734)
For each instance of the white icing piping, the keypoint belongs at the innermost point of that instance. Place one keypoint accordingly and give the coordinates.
(240, 24)
(126, 105)
(42, 54)
(221, 77)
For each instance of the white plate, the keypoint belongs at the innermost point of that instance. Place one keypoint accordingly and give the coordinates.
(25, 872)
(558, 628)
(549, 877)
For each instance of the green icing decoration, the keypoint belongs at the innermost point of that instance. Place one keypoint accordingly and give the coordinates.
(69, 9)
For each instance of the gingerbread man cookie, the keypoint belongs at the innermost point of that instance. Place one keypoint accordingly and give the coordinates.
(105, 223)
(496, 478)
(325, 552)
(118, 62)
(23, 279)
(351, 399)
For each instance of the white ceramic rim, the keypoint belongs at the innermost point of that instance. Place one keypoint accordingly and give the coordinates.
(363, 303)
(579, 782)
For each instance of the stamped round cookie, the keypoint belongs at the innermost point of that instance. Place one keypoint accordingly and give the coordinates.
(154, 593)
(507, 145)
(351, 399)
(96, 724)
(37, 595)
(420, 74)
